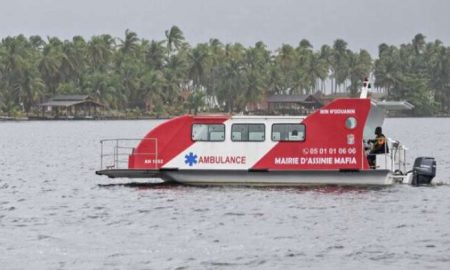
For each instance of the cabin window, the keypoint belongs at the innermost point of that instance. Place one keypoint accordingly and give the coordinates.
(208, 132)
(288, 132)
(248, 132)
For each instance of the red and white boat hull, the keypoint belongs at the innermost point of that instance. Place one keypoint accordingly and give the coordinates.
(326, 149)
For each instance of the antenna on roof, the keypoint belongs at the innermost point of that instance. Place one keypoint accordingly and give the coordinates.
(365, 88)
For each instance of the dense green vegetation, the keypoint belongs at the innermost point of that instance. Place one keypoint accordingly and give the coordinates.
(172, 77)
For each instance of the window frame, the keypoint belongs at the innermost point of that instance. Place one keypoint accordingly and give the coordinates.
(209, 124)
(249, 124)
(290, 141)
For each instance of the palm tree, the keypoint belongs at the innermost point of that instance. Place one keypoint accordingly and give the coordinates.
(326, 54)
(71, 62)
(360, 66)
(383, 47)
(216, 57)
(305, 44)
(438, 72)
(175, 79)
(99, 52)
(255, 72)
(304, 72)
(315, 69)
(199, 61)
(195, 101)
(340, 62)
(37, 42)
(283, 75)
(387, 70)
(154, 55)
(32, 88)
(418, 43)
(13, 64)
(174, 39)
(130, 44)
(152, 83)
(49, 66)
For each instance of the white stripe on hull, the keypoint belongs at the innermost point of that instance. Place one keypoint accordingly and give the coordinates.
(279, 178)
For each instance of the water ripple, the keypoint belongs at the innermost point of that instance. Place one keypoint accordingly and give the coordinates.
(55, 213)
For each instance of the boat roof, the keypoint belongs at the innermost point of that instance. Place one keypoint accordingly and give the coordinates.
(262, 117)
(395, 105)
(250, 117)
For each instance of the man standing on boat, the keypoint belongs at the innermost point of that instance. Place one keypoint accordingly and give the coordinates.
(379, 146)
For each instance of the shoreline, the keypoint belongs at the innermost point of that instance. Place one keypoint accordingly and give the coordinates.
(24, 119)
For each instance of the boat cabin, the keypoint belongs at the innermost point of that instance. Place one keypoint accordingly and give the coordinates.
(329, 139)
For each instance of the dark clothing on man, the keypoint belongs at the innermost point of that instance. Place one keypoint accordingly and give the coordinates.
(379, 147)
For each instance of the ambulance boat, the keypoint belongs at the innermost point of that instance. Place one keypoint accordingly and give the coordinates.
(326, 147)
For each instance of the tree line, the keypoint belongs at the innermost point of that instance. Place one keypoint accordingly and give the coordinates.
(169, 76)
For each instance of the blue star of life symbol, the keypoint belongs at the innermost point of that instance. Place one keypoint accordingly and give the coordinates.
(190, 159)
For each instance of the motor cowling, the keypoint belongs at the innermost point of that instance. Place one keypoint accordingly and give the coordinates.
(424, 170)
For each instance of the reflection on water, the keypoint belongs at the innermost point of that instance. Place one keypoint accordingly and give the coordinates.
(55, 213)
(142, 185)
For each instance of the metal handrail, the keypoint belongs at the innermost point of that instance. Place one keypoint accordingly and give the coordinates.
(396, 149)
(119, 150)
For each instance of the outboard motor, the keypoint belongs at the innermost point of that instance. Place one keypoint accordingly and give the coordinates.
(424, 170)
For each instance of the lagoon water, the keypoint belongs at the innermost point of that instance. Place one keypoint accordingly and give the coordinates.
(54, 214)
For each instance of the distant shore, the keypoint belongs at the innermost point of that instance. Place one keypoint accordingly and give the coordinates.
(102, 118)
(20, 119)
(136, 76)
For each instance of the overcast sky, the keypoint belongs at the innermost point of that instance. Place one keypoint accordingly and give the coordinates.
(363, 24)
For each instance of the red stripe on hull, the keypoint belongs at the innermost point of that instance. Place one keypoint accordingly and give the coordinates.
(173, 137)
(328, 143)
